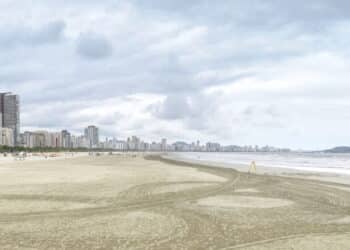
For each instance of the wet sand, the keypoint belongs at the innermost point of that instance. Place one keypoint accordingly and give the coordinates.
(124, 202)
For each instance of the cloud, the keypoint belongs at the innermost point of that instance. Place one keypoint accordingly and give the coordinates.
(48, 33)
(173, 107)
(93, 46)
(242, 72)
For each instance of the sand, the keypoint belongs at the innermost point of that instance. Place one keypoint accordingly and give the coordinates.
(347, 189)
(124, 202)
(174, 188)
(321, 242)
(32, 206)
(92, 176)
(230, 201)
(343, 220)
(247, 190)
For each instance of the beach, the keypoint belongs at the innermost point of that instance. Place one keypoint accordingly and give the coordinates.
(137, 201)
(317, 166)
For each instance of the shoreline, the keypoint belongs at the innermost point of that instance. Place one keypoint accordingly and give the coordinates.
(261, 170)
(265, 170)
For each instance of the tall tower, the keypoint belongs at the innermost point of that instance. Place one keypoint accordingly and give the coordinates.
(65, 139)
(92, 136)
(9, 114)
(164, 145)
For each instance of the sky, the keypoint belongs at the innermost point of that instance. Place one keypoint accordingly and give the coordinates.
(243, 72)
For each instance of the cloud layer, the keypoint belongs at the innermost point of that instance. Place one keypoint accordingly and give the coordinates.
(237, 72)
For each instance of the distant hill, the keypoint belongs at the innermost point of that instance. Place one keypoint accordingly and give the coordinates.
(338, 150)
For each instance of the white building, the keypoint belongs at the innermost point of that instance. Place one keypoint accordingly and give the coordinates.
(36, 140)
(79, 142)
(164, 145)
(213, 147)
(55, 140)
(120, 146)
(134, 143)
(66, 139)
(156, 147)
(44, 140)
(7, 137)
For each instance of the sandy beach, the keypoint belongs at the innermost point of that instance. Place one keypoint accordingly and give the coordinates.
(126, 202)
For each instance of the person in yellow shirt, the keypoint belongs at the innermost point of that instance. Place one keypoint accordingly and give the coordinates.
(252, 168)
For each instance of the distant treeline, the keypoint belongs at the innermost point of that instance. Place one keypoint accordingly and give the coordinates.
(7, 149)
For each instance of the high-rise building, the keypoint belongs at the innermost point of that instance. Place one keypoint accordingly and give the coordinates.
(78, 141)
(65, 139)
(55, 139)
(37, 140)
(156, 147)
(9, 114)
(213, 147)
(92, 136)
(46, 142)
(121, 145)
(164, 145)
(26, 138)
(134, 143)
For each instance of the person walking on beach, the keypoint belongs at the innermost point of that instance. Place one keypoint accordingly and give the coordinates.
(252, 168)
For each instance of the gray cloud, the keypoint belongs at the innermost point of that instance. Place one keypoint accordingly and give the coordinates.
(254, 12)
(93, 46)
(28, 36)
(174, 107)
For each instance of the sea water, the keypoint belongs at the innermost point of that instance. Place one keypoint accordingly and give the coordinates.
(315, 162)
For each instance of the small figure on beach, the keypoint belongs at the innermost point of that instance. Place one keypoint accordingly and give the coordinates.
(252, 168)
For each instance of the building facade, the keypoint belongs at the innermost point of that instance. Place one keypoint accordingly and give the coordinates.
(134, 143)
(164, 145)
(92, 136)
(66, 139)
(213, 147)
(10, 114)
(6, 137)
(37, 140)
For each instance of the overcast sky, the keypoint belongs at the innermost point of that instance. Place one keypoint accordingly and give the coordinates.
(237, 72)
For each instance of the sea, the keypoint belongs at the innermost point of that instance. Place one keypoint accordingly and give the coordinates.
(313, 162)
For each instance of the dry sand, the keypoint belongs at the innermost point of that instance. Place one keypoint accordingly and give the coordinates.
(123, 202)
(234, 201)
(247, 190)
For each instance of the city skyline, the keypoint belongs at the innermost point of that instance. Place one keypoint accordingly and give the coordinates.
(11, 136)
(10, 128)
